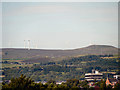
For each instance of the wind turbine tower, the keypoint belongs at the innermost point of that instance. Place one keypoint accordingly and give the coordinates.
(24, 44)
(36, 46)
(28, 44)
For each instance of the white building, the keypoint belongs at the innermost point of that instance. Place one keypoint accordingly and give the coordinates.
(117, 77)
(95, 75)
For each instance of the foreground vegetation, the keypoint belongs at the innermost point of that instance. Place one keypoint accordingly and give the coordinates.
(24, 83)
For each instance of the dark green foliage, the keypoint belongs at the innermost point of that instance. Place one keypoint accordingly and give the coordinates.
(24, 83)
(103, 86)
(100, 82)
(117, 86)
(21, 83)
(51, 81)
(109, 87)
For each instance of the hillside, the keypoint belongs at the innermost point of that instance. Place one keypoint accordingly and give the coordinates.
(59, 65)
(74, 67)
(17, 53)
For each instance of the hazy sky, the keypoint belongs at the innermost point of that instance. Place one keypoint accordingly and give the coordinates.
(59, 25)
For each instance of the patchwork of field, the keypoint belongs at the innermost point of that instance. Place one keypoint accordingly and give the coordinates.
(72, 67)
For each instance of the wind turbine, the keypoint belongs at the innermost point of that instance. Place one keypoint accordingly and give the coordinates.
(28, 44)
(24, 44)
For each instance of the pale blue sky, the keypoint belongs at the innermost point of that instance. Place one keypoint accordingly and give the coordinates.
(59, 25)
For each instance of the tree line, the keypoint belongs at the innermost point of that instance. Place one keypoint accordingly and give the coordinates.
(26, 83)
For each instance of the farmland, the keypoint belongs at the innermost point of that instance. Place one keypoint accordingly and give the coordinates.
(74, 67)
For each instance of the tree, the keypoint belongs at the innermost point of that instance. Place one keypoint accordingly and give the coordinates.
(51, 81)
(103, 86)
(21, 83)
(117, 86)
(109, 87)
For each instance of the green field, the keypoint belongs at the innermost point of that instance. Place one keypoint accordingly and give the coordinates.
(73, 67)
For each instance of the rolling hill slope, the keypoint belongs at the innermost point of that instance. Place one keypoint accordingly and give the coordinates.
(17, 53)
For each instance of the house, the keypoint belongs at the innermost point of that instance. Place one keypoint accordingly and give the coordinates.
(92, 84)
(60, 82)
(117, 77)
(111, 81)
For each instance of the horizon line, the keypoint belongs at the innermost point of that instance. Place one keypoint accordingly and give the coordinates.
(57, 48)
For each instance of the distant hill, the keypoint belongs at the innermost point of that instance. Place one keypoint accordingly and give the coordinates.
(98, 50)
(17, 53)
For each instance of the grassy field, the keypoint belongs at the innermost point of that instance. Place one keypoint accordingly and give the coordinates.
(15, 65)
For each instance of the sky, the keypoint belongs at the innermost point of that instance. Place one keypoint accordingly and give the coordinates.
(60, 25)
